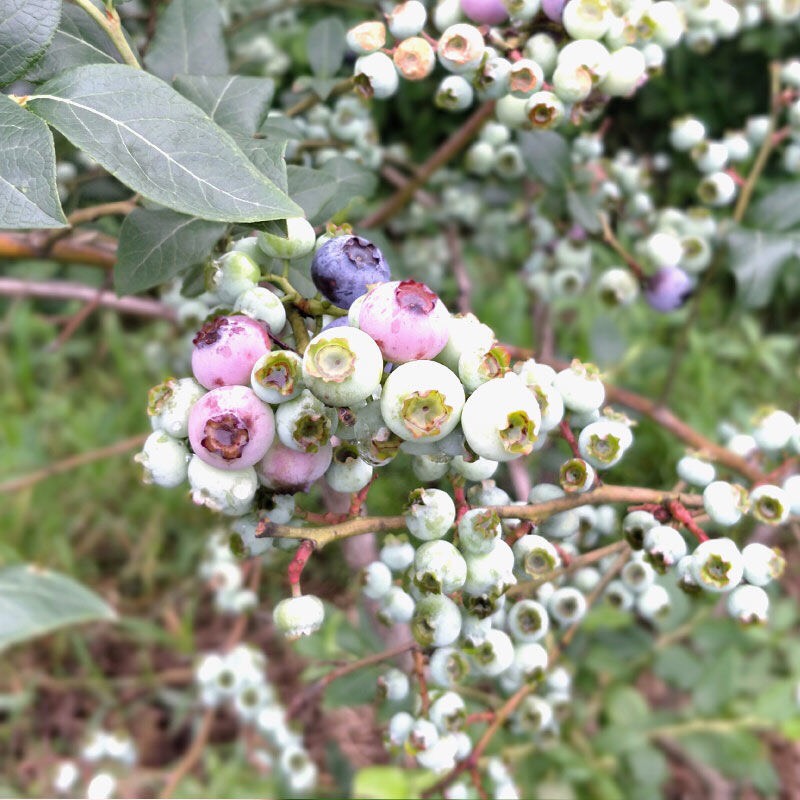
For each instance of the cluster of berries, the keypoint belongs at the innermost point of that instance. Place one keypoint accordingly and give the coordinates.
(238, 679)
(541, 79)
(101, 757)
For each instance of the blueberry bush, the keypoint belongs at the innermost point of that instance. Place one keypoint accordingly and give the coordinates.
(457, 341)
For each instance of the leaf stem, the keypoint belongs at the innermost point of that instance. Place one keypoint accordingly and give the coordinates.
(110, 23)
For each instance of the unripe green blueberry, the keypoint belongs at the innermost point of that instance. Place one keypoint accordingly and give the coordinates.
(653, 603)
(476, 469)
(774, 430)
(474, 629)
(525, 78)
(342, 366)
(399, 728)
(724, 502)
(169, 404)
(260, 303)
(490, 573)
(534, 713)
(496, 654)
(231, 491)
(454, 94)
(748, 604)
(567, 605)
(586, 19)
(530, 661)
(232, 274)
(299, 616)
(580, 387)
(695, 471)
(619, 596)
(617, 287)
(528, 621)
(576, 475)
(305, 424)
(535, 556)
(393, 686)
(436, 621)
(635, 525)
(501, 419)
(664, 547)
(447, 712)
(544, 110)
(439, 568)
(478, 530)
(397, 606)
(717, 565)
(762, 564)
(638, 574)
(376, 579)
(769, 504)
(460, 48)
(422, 400)
(348, 472)
(627, 70)
(430, 513)
(376, 75)
(429, 468)
(165, 460)
(448, 667)
(441, 757)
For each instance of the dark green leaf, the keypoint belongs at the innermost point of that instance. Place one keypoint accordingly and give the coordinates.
(237, 103)
(678, 666)
(547, 156)
(188, 40)
(26, 28)
(159, 144)
(357, 688)
(779, 210)
(326, 46)
(648, 766)
(28, 196)
(267, 156)
(78, 40)
(756, 261)
(717, 683)
(155, 245)
(34, 601)
(323, 192)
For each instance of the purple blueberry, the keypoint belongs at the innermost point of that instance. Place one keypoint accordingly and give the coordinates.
(668, 289)
(225, 350)
(230, 428)
(339, 322)
(485, 12)
(554, 9)
(406, 319)
(288, 471)
(345, 267)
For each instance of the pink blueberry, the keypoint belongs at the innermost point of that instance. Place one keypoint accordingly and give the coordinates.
(554, 9)
(406, 319)
(230, 428)
(225, 350)
(289, 471)
(485, 12)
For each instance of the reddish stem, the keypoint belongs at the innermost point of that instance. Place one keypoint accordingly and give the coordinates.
(359, 498)
(479, 716)
(298, 564)
(460, 497)
(419, 672)
(569, 436)
(475, 776)
(680, 514)
(524, 528)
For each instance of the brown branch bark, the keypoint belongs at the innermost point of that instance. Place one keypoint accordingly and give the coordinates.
(82, 247)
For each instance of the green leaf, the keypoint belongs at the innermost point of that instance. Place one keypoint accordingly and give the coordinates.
(34, 601)
(28, 195)
(159, 144)
(678, 666)
(717, 683)
(584, 209)
(267, 157)
(188, 40)
(357, 688)
(648, 766)
(779, 210)
(26, 28)
(547, 156)
(624, 705)
(78, 40)
(326, 46)
(237, 103)
(156, 244)
(756, 261)
(390, 783)
(323, 192)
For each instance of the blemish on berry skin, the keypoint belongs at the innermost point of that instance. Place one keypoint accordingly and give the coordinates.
(210, 333)
(415, 297)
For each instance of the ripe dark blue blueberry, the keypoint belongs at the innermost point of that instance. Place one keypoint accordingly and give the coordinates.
(345, 267)
(668, 289)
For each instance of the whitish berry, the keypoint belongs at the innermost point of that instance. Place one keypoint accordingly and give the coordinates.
(165, 460)
(535, 556)
(436, 621)
(717, 565)
(635, 525)
(653, 603)
(396, 606)
(475, 468)
(232, 274)
(567, 605)
(724, 502)
(299, 616)
(580, 387)
(447, 712)
(664, 547)
(298, 242)
(528, 621)
(376, 578)
(229, 491)
(430, 513)
(261, 304)
(422, 400)
(774, 430)
(561, 525)
(393, 685)
(695, 471)
(530, 661)
(342, 366)
(461, 48)
(448, 667)
(638, 575)
(169, 404)
(376, 75)
(277, 376)
(478, 530)
(501, 419)
(748, 604)
(496, 654)
(366, 37)
(762, 564)
(439, 568)
(769, 504)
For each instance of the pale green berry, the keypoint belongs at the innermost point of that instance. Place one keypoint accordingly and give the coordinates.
(299, 616)
(298, 242)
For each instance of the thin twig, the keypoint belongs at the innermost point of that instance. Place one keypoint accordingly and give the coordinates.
(310, 100)
(91, 213)
(68, 464)
(91, 248)
(66, 290)
(192, 756)
(446, 152)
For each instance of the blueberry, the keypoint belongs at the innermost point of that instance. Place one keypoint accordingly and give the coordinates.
(668, 289)
(345, 267)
